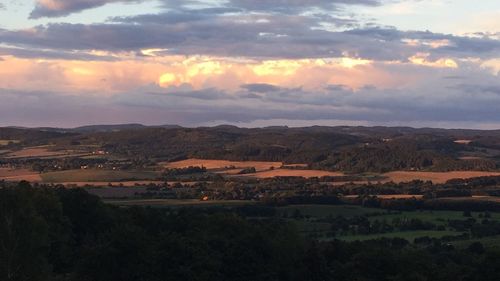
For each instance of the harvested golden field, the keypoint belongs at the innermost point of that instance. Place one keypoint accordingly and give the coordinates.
(463, 142)
(6, 142)
(435, 177)
(470, 158)
(222, 164)
(294, 173)
(390, 197)
(264, 169)
(18, 175)
(400, 196)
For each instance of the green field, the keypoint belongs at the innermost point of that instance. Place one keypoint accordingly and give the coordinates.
(436, 217)
(492, 242)
(320, 211)
(178, 202)
(97, 176)
(310, 221)
(408, 235)
(313, 220)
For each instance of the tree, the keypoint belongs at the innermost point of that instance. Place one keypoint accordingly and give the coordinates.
(24, 242)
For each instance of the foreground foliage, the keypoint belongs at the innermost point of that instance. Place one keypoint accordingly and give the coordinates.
(60, 234)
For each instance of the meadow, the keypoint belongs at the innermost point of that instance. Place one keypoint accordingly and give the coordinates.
(179, 203)
(9, 174)
(45, 151)
(81, 176)
(435, 177)
(315, 221)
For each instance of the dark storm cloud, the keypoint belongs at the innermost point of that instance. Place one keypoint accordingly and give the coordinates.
(257, 36)
(279, 29)
(176, 16)
(58, 8)
(48, 54)
(288, 6)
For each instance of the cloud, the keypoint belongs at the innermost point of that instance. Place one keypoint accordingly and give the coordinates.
(260, 88)
(59, 8)
(242, 61)
(288, 6)
(242, 28)
(471, 97)
(252, 36)
(50, 54)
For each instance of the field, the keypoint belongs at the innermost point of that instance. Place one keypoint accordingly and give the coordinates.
(392, 196)
(178, 203)
(277, 169)
(488, 242)
(111, 183)
(6, 142)
(312, 220)
(294, 173)
(320, 211)
(264, 169)
(92, 175)
(41, 152)
(408, 235)
(435, 177)
(473, 198)
(223, 164)
(116, 192)
(19, 174)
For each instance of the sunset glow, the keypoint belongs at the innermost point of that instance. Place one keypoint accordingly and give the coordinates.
(211, 51)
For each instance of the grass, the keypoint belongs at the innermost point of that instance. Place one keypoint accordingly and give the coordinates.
(436, 217)
(97, 176)
(408, 235)
(178, 202)
(320, 211)
(492, 242)
(310, 224)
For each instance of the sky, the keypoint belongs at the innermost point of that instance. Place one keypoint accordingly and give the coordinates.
(251, 63)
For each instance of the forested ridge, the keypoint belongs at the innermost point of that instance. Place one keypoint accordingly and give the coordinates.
(349, 149)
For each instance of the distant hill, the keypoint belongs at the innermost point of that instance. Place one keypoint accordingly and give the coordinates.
(356, 149)
(108, 128)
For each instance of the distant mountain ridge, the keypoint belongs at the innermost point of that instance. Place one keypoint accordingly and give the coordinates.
(341, 148)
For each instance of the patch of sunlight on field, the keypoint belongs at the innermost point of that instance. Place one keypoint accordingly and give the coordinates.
(7, 142)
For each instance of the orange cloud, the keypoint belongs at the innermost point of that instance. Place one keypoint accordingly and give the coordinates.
(109, 77)
(422, 59)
